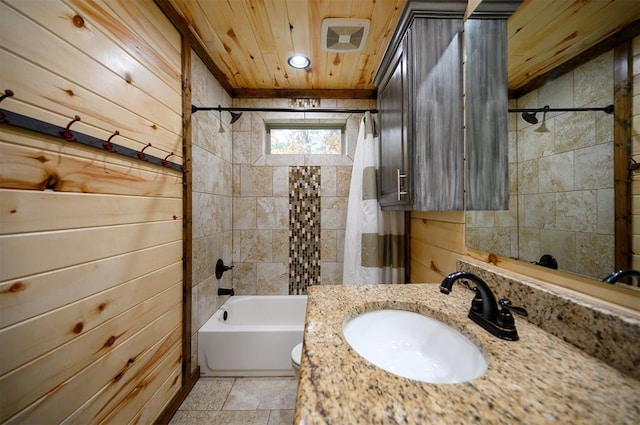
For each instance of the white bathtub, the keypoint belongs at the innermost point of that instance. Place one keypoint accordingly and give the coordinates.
(256, 338)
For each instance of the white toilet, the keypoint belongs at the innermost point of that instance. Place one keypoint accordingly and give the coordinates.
(296, 356)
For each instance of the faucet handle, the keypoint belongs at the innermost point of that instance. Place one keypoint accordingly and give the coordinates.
(506, 303)
(476, 302)
(505, 318)
(221, 268)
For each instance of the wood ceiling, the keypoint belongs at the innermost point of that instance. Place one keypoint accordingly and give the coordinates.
(545, 34)
(246, 43)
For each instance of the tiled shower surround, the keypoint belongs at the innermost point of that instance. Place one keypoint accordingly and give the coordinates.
(562, 186)
(266, 261)
(212, 198)
(304, 229)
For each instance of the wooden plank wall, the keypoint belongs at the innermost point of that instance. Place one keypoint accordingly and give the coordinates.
(436, 243)
(90, 242)
(635, 149)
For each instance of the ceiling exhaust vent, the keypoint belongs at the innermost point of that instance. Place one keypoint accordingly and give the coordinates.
(344, 34)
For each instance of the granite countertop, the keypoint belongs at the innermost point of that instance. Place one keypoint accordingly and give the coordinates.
(538, 379)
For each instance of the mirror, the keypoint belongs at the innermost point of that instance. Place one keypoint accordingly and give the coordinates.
(561, 172)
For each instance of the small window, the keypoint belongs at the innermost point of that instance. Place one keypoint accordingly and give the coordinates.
(305, 138)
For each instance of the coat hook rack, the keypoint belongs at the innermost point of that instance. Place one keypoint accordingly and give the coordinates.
(42, 127)
(141, 154)
(67, 134)
(108, 145)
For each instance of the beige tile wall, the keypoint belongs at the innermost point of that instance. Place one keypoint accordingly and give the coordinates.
(261, 198)
(497, 231)
(563, 195)
(566, 186)
(212, 197)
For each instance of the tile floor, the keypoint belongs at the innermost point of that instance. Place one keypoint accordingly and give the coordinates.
(239, 401)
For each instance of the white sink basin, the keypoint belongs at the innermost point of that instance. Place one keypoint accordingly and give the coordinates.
(414, 346)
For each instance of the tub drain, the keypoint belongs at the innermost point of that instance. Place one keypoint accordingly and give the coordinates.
(224, 316)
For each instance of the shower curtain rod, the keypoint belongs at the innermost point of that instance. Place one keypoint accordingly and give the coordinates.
(608, 109)
(195, 109)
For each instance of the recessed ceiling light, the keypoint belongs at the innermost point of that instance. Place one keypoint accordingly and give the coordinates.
(299, 61)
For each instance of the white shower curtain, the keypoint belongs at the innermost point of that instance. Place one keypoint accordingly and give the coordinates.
(374, 239)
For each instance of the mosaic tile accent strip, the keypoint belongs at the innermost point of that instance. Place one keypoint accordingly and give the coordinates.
(304, 228)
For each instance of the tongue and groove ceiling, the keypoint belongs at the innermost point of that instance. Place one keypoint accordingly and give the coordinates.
(246, 43)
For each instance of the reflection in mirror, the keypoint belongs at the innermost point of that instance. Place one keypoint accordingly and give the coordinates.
(630, 277)
(561, 180)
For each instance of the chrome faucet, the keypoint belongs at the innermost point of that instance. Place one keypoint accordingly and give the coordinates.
(484, 308)
(620, 274)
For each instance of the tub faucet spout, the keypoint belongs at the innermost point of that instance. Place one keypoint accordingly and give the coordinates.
(484, 308)
(225, 291)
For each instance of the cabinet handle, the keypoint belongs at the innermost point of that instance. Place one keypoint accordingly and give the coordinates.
(400, 192)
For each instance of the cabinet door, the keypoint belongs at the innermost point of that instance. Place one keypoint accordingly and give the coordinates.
(487, 179)
(394, 173)
(437, 113)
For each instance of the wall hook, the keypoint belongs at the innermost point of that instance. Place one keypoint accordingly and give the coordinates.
(141, 153)
(634, 165)
(184, 166)
(67, 134)
(165, 161)
(108, 145)
(7, 93)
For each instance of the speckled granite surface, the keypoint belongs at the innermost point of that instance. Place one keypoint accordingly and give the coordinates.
(538, 379)
(612, 336)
